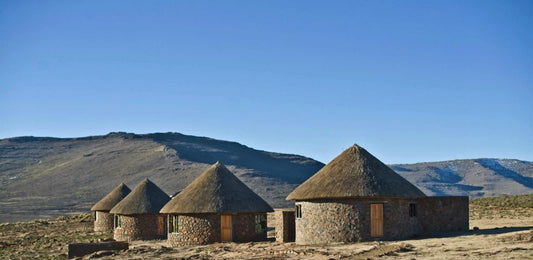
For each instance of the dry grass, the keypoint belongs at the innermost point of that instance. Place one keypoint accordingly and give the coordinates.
(46, 239)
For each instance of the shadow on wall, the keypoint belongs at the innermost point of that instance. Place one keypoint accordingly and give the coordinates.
(291, 168)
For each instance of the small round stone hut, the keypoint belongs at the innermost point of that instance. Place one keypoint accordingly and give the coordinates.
(355, 198)
(137, 216)
(216, 207)
(103, 220)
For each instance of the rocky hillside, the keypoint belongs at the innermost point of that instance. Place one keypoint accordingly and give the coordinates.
(48, 177)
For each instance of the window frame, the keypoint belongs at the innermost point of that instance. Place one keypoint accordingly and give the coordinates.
(260, 223)
(413, 210)
(298, 211)
(117, 221)
(173, 223)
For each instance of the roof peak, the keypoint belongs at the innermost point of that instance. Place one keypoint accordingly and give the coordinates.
(355, 173)
(217, 189)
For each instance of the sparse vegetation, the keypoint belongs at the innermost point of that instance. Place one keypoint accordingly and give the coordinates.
(46, 239)
(516, 201)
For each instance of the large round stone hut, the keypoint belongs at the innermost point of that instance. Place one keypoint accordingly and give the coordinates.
(137, 216)
(355, 198)
(103, 220)
(216, 207)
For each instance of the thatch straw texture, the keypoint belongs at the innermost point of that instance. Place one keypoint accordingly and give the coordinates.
(145, 198)
(355, 173)
(111, 199)
(216, 190)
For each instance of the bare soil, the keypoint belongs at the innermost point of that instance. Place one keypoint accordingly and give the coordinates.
(499, 233)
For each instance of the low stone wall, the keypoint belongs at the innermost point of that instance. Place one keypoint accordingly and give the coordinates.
(201, 229)
(104, 222)
(284, 225)
(444, 214)
(81, 249)
(139, 227)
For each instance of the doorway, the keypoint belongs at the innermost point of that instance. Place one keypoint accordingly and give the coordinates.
(225, 224)
(376, 220)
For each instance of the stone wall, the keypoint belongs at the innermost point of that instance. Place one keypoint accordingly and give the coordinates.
(104, 222)
(243, 227)
(284, 225)
(81, 249)
(200, 229)
(196, 229)
(348, 220)
(444, 214)
(139, 227)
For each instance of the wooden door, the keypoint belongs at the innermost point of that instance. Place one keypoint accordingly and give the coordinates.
(225, 223)
(376, 220)
(160, 225)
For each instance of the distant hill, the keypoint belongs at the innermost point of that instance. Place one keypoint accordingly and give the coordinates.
(42, 177)
(47, 177)
(474, 178)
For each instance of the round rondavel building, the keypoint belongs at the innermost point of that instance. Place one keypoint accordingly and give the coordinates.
(356, 198)
(103, 220)
(216, 207)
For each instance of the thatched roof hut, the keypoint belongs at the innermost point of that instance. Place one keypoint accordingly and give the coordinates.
(354, 198)
(111, 199)
(355, 173)
(216, 207)
(137, 215)
(103, 220)
(216, 190)
(146, 198)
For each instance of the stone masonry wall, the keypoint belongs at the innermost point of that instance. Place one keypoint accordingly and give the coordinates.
(348, 220)
(138, 227)
(196, 229)
(284, 225)
(243, 227)
(200, 229)
(444, 214)
(104, 223)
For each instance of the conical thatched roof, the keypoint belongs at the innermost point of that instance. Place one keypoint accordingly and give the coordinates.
(145, 198)
(111, 199)
(355, 173)
(216, 190)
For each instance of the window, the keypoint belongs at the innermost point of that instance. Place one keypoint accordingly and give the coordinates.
(412, 210)
(298, 211)
(118, 221)
(260, 223)
(173, 223)
(96, 216)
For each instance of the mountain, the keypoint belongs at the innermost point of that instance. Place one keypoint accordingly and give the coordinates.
(474, 178)
(47, 177)
(43, 177)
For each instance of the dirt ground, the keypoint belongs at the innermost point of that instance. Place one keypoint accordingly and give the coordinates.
(499, 234)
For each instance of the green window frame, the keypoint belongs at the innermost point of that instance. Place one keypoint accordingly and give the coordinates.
(173, 223)
(260, 223)
(118, 221)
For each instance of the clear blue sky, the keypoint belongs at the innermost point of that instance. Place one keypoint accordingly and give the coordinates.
(410, 81)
